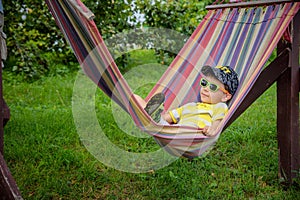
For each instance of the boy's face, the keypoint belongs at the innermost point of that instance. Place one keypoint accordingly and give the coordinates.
(213, 97)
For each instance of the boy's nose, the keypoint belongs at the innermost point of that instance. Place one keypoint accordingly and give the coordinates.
(206, 89)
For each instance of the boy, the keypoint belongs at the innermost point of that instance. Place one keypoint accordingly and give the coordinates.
(218, 85)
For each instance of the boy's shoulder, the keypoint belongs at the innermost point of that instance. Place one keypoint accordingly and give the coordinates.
(217, 105)
(221, 105)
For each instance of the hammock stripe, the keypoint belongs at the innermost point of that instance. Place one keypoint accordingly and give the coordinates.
(242, 38)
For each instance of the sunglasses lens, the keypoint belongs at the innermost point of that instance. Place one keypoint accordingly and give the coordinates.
(203, 82)
(213, 87)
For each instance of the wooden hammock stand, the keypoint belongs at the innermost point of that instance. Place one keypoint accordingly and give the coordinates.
(284, 70)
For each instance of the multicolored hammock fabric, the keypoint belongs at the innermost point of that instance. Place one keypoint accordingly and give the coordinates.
(242, 38)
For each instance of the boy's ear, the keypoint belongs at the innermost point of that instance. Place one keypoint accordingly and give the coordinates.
(226, 97)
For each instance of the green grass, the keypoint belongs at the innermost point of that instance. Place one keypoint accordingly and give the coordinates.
(48, 160)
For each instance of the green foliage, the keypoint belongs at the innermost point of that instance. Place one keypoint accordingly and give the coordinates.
(182, 16)
(159, 39)
(48, 161)
(110, 16)
(32, 37)
(36, 45)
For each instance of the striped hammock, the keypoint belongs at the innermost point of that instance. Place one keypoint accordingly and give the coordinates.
(242, 38)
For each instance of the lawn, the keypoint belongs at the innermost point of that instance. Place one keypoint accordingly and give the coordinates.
(48, 159)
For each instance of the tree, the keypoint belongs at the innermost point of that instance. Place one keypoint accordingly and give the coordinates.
(180, 15)
(34, 41)
(30, 34)
(35, 44)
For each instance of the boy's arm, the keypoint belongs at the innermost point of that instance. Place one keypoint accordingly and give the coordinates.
(166, 116)
(210, 130)
(219, 114)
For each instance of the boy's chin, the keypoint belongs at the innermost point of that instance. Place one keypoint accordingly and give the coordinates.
(205, 100)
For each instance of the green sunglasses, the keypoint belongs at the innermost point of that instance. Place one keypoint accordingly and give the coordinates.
(212, 87)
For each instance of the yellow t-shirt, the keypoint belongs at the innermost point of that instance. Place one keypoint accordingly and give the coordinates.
(198, 114)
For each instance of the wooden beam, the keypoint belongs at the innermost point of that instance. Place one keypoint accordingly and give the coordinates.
(6, 115)
(8, 186)
(248, 4)
(2, 108)
(288, 111)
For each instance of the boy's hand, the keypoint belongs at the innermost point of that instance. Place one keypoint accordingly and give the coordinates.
(205, 130)
(208, 131)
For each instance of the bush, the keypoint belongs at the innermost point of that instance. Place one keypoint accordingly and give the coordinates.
(35, 44)
(34, 41)
(32, 37)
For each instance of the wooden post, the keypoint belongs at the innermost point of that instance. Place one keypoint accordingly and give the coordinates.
(284, 70)
(288, 110)
(8, 187)
(2, 110)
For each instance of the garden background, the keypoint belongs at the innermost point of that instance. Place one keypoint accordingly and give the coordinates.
(44, 151)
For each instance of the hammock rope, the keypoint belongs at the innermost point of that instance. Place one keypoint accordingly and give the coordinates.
(242, 38)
